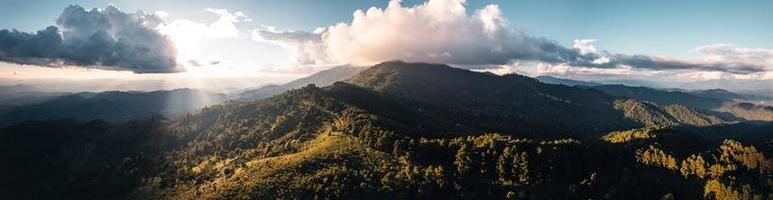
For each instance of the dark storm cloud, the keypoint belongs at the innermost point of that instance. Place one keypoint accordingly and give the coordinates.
(106, 39)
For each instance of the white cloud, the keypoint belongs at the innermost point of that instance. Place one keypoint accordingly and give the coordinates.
(438, 31)
(306, 46)
(187, 30)
(728, 53)
(162, 14)
(441, 31)
(585, 46)
(225, 25)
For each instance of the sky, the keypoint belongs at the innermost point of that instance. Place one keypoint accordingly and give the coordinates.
(201, 43)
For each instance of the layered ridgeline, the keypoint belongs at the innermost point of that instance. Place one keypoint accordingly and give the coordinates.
(403, 131)
(726, 104)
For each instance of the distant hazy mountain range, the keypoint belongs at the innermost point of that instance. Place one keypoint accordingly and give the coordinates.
(109, 106)
(724, 103)
(20, 102)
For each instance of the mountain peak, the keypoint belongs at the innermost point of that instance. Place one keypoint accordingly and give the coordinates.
(398, 74)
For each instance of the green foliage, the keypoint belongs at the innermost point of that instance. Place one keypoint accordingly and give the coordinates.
(693, 165)
(716, 190)
(747, 156)
(669, 115)
(656, 157)
(629, 135)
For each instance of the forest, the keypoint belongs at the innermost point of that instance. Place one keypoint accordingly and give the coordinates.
(433, 132)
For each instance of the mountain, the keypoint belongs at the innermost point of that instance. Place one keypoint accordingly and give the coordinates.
(18, 95)
(702, 99)
(719, 94)
(728, 105)
(748, 111)
(321, 78)
(527, 104)
(661, 96)
(664, 115)
(568, 82)
(112, 106)
(398, 131)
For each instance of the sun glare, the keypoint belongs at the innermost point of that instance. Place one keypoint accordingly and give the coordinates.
(185, 42)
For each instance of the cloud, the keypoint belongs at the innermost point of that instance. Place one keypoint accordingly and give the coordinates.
(161, 13)
(223, 27)
(441, 31)
(308, 46)
(197, 63)
(585, 46)
(189, 35)
(100, 38)
(738, 56)
(437, 31)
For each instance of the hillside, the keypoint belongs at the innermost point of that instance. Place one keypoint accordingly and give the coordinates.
(669, 115)
(661, 97)
(401, 131)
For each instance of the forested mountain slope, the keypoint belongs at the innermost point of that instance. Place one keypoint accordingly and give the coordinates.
(409, 131)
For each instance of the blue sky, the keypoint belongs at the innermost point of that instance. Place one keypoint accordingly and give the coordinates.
(659, 27)
(654, 40)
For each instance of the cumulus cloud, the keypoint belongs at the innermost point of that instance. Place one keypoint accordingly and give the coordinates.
(441, 31)
(585, 46)
(223, 27)
(100, 38)
(436, 31)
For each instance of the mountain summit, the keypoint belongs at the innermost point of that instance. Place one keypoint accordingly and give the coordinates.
(513, 103)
